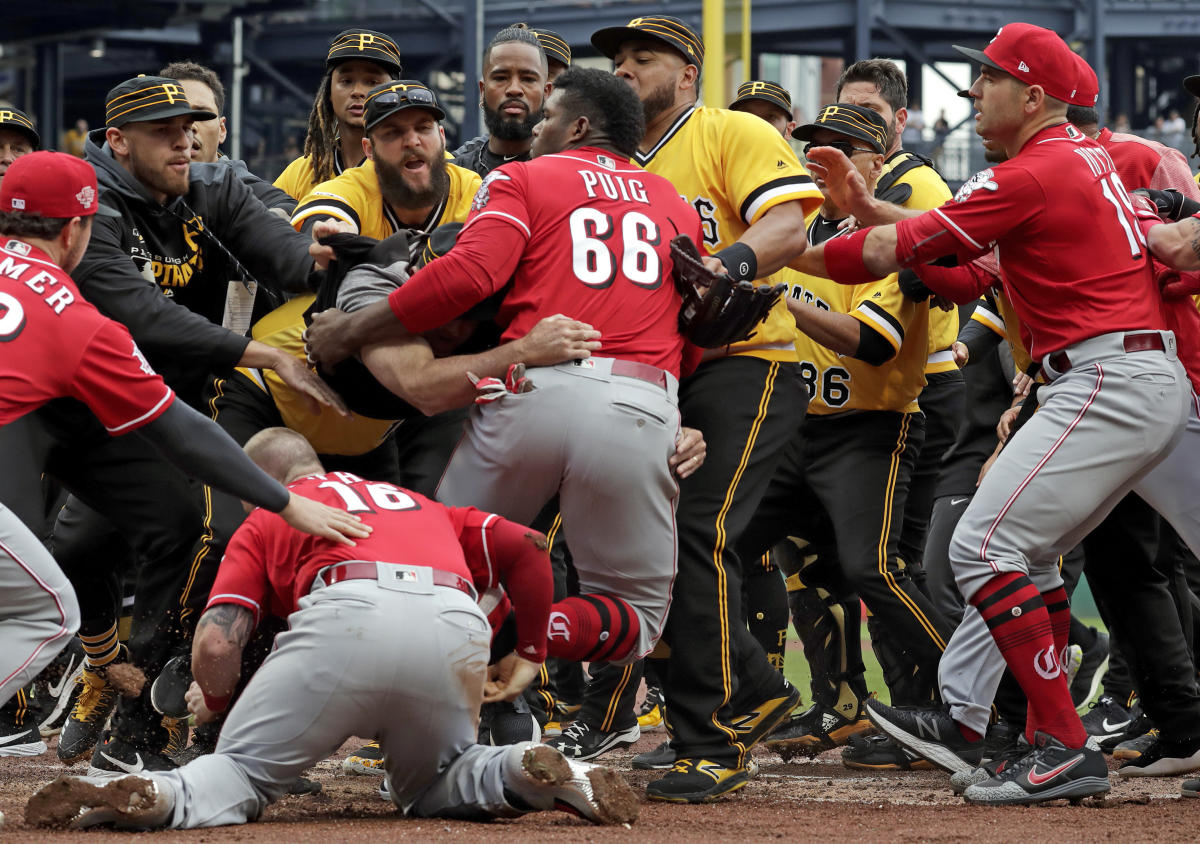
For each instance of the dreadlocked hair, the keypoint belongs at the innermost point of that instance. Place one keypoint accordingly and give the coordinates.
(1195, 140)
(322, 138)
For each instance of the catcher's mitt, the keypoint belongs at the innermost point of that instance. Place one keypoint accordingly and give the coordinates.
(716, 311)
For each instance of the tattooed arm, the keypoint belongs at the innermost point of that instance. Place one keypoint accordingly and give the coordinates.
(1177, 244)
(221, 636)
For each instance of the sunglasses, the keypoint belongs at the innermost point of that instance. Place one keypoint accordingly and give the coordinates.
(844, 147)
(422, 96)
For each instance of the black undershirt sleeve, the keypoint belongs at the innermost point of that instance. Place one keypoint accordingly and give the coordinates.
(872, 347)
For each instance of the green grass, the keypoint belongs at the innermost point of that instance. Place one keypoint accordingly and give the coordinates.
(796, 666)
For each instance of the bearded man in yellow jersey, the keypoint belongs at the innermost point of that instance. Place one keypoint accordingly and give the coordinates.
(751, 193)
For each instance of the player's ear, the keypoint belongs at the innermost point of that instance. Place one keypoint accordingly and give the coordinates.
(368, 147)
(579, 128)
(689, 77)
(116, 140)
(1035, 96)
(221, 137)
(901, 120)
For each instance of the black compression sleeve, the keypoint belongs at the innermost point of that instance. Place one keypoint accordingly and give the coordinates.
(200, 448)
(978, 338)
(872, 347)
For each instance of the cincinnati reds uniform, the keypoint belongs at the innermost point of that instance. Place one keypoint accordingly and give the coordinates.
(334, 674)
(55, 344)
(586, 234)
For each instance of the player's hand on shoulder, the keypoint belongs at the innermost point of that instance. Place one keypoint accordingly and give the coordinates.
(690, 451)
(319, 519)
(509, 677)
(556, 339)
(306, 383)
(327, 341)
(321, 254)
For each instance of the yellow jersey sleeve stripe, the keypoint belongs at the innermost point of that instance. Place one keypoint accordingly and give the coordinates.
(775, 191)
(883, 322)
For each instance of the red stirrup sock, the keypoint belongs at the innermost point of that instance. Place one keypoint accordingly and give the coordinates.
(592, 627)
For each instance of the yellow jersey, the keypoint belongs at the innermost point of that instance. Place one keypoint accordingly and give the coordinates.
(354, 197)
(839, 383)
(996, 312)
(297, 178)
(732, 168)
(929, 190)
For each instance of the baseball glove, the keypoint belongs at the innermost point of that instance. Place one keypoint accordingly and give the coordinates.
(716, 311)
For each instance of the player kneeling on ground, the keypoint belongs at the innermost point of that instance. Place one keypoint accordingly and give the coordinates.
(343, 604)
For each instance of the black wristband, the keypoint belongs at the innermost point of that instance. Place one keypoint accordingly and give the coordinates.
(740, 261)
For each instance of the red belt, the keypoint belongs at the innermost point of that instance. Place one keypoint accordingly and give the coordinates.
(370, 571)
(1144, 342)
(641, 371)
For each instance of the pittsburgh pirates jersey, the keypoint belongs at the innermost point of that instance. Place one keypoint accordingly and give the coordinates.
(354, 198)
(297, 179)
(733, 168)
(839, 383)
(929, 190)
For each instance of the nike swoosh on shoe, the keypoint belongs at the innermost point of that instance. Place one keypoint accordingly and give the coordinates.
(1036, 778)
(128, 768)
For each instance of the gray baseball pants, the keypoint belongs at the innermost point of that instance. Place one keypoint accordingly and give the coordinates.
(601, 441)
(402, 661)
(38, 610)
(1103, 428)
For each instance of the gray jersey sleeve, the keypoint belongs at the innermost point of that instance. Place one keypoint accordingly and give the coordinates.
(366, 284)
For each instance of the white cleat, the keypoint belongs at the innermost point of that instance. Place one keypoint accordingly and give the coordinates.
(128, 802)
(593, 792)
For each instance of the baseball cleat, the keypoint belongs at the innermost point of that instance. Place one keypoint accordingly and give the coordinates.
(582, 742)
(128, 802)
(169, 687)
(367, 761)
(593, 792)
(996, 762)
(55, 688)
(1190, 788)
(650, 715)
(1163, 758)
(1134, 747)
(928, 732)
(1049, 771)
(94, 703)
(512, 722)
(1107, 721)
(697, 781)
(23, 739)
(880, 753)
(661, 758)
(754, 726)
(115, 757)
(1091, 670)
(178, 733)
(817, 729)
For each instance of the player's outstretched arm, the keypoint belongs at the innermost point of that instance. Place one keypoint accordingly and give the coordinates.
(221, 635)
(1177, 244)
(335, 335)
(319, 519)
(857, 258)
(298, 377)
(432, 385)
(848, 189)
(777, 237)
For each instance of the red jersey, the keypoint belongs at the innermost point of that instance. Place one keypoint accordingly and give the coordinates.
(269, 565)
(1075, 262)
(57, 344)
(581, 233)
(1142, 163)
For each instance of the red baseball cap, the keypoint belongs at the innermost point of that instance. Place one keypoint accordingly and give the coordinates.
(52, 184)
(1034, 56)
(1087, 86)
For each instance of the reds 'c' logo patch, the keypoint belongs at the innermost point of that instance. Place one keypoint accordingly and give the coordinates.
(981, 180)
(482, 195)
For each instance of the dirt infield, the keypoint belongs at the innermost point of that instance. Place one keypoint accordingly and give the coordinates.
(815, 800)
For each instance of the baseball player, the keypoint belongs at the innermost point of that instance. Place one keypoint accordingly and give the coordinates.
(613, 261)
(1095, 324)
(752, 194)
(17, 137)
(58, 344)
(358, 60)
(767, 100)
(412, 582)
(557, 50)
(514, 86)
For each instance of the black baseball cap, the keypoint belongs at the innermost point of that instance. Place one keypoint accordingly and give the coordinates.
(554, 46)
(671, 31)
(145, 98)
(763, 89)
(1191, 84)
(19, 121)
(440, 241)
(391, 97)
(366, 45)
(856, 121)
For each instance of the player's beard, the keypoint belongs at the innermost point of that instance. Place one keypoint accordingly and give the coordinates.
(399, 193)
(505, 128)
(658, 101)
(161, 180)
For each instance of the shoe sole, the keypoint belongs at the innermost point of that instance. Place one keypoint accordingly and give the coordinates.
(625, 738)
(76, 803)
(33, 748)
(1074, 790)
(1165, 767)
(811, 745)
(612, 801)
(711, 795)
(652, 766)
(1189, 792)
(355, 766)
(914, 765)
(937, 753)
(651, 725)
(1094, 683)
(1126, 754)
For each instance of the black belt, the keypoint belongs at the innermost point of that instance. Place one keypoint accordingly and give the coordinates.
(370, 571)
(1143, 342)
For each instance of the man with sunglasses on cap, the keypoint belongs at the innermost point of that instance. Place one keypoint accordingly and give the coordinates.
(358, 60)
(752, 194)
(162, 268)
(1090, 307)
(17, 137)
